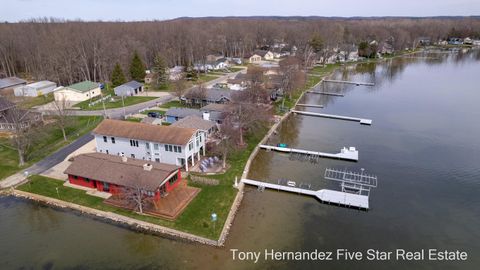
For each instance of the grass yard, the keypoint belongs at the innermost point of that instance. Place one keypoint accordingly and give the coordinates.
(115, 104)
(235, 69)
(49, 139)
(30, 102)
(203, 78)
(173, 104)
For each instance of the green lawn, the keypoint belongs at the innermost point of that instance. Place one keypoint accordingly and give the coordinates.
(235, 69)
(115, 104)
(173, 104)
(49, 139)
(203, 78)
(134, 119)
(30, 102)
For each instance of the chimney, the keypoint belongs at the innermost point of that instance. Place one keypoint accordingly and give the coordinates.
(147, 167)
(206, 116)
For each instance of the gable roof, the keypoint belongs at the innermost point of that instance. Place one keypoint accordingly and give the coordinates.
(215, 107)
(112, 169)
(193, 121)
(133, 84)
(146, 132)
(262, 53)
(84, 86)
(11, 81)
(213, 94)
(182, 112)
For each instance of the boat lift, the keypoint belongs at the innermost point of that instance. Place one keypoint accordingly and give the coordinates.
(352, 182)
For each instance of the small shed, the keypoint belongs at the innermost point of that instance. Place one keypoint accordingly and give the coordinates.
(35, 89)
(130, 88)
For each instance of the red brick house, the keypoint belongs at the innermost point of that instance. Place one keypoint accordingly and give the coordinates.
(114, 174)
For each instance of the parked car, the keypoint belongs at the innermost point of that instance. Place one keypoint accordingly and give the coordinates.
(153, 114)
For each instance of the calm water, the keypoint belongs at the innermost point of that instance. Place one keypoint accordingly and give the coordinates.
(424, 146)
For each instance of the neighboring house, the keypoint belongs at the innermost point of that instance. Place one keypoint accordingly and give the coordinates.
(12, 118)
(35, 89)
(467, 41)
(353, 56)
(130, 88)
(152, 121)
(212, 95)
(214, 112)
(164, 144)
(196, 122)
(115, 174)
(267, 55)
(149, 78)
(386, 48)
(253, 58)
(476, 42)
(422, 41)
(78, 92)
(10, 83)
(174, 114)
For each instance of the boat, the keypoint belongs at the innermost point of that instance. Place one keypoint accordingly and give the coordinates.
(282, 145)
(291, 184)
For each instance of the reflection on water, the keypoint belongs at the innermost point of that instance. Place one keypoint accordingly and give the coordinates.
(423, 145)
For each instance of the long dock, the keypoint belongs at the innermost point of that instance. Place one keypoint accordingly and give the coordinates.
(325, 195)
(310, 105)
(350, 82)
(326, 93)
(350, 154)
(333, 116)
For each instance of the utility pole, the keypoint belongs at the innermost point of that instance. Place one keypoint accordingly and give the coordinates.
(123, 105)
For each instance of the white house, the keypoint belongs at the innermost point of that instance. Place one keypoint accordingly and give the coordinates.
(254, 58)
(35, 89)
(166, 144)
(78, 92)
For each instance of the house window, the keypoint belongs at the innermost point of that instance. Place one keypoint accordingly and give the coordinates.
(113, 139)
(172, 180)
(157, 159)
(134, 143)
(87, 179)
(168, 148)
(198, 142)
(155, 146)
(147, 145)
(177, 149)
(190, 146)
(200, 138)
(132, 155)
(104, 138)
(106, 151)
(106, 187)
(75, 177)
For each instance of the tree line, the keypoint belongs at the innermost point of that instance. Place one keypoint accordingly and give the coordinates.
(70, 51)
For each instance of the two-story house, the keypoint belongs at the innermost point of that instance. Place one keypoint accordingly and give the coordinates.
(165, 144)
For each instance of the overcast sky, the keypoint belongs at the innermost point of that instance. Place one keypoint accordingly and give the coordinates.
(135, 10)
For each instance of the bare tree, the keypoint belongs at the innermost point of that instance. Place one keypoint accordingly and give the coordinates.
(179, 87)
(61, 115)
(248, 117)
(197, 95)
(22, 134)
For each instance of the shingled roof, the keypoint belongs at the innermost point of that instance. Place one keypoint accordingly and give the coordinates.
(113, 170)
(146, 132)
(193, 121)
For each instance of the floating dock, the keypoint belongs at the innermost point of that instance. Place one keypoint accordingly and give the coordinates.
(326, 93)
(333, 116)
(350, 153)
(310, 105)
(325, 195)
(350, 82)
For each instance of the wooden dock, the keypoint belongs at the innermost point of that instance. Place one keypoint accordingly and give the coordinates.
(324, 195)
(326, 93)
(350, 153)
(333, 116)
(350, 82)
(310, 105)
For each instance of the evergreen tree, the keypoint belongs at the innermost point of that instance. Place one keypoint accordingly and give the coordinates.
(159, 70)
(117, 77)
(191, 74)
(137, 68)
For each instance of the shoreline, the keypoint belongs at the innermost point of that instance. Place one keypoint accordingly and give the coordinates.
(143, 226)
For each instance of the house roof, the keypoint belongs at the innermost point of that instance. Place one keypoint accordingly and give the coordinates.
(133, 84)
(112, 169)
(84, 86)
(214, 107)
(193, 121)
(151, 120)
(262, 53)
(183, 112)
(146, 132)
(41, 84)
(214, 94)
(5, 104)
(11, 81)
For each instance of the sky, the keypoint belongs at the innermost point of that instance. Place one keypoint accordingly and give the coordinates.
(138, 10)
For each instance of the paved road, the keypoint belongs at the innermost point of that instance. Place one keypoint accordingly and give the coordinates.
(47, 162)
